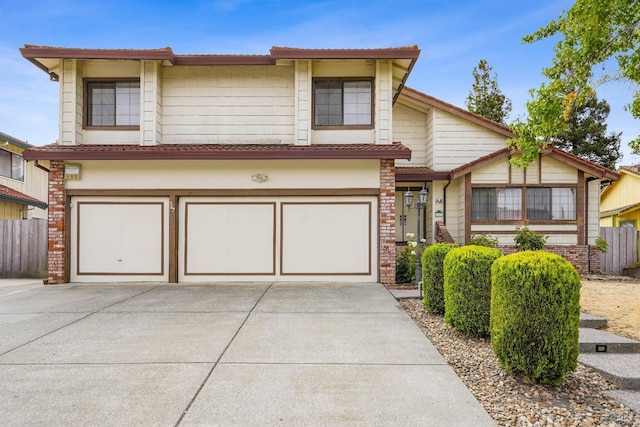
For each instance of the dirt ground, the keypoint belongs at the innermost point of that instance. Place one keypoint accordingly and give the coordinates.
(615, 298)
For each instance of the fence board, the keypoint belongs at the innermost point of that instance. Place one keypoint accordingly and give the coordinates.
(23, 248)
(623, 249)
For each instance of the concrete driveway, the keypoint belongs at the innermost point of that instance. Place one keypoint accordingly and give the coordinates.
(220, 354)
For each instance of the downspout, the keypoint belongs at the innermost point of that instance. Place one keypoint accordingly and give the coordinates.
(444, 201)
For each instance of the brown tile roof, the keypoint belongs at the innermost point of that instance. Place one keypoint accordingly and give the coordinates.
(413, 173)
(33, 53)
(621, 210)
(218, 151)
(633, 169)
(404, 52)
(11, 195)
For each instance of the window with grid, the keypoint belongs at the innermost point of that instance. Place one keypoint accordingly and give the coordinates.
(551, 203)
(11, 165)
(113, 104)
(490, 204)
(342, 102)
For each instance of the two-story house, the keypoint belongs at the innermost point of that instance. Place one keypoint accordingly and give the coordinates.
(23, 185)
(281, 167)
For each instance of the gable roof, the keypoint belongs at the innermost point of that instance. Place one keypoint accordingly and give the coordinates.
(14, 196)
(620, 211)
(218, 151)
(634, 170)
(551, 151)
(404, 58)
(412, 95)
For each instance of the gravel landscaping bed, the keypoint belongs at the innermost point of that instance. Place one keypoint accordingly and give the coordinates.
(579, 401)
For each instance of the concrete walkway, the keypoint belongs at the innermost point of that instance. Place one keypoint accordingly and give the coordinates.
(249, 354)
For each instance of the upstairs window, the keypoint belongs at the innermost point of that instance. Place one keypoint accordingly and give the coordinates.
(113, 104)
(11, 165)
(338, 103)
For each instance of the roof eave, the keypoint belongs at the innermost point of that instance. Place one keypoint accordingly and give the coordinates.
(327, 154)
(586, 166)
(13, 141)
(409, 52)
(20, 201)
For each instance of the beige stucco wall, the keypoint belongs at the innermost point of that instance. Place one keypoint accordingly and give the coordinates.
(225, 174)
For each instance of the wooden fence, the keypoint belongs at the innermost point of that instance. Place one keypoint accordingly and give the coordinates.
(23, 248)
(623, 249)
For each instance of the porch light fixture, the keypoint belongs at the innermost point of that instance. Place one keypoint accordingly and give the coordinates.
(420, 205)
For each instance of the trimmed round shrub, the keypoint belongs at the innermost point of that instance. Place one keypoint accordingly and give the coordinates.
(467, 288)
(535, 315)
(433, 276)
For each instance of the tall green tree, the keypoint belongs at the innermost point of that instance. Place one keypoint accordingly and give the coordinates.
(597, 36)
(485, 97)
(587, 136)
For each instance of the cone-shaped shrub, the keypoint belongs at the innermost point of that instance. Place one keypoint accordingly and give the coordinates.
(535, 315)
(467, 288)
(433, 276)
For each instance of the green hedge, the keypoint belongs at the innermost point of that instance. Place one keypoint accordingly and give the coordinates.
(535, 315)
(433, 276)
(467, 288)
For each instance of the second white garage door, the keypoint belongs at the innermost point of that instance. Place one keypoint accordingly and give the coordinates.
(284, 239)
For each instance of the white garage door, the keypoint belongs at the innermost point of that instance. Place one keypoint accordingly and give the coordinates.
(278, 238)
(225, 239)
(115, 239)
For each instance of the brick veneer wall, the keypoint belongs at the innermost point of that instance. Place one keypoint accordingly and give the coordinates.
(56, 212)
(387, 221)
(585, 258)
(442, 234)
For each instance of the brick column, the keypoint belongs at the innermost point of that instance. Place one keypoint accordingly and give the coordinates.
(387, 221)
(56, 210)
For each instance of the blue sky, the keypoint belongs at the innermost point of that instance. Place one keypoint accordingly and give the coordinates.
(453, 37)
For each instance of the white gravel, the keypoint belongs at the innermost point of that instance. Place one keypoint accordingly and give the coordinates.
(579, 401)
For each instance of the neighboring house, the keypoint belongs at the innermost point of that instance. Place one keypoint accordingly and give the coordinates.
(23, 185)
(620, 201)
(282, 167)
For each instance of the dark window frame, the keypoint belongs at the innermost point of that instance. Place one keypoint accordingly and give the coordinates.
(87, 104)
(523, 211)
(341, 80)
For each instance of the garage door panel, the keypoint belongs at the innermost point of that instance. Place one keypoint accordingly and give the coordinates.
(229, 238)
(120, 238)
(326, 238)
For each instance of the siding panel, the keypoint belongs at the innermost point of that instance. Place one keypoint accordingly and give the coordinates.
(228, 104)
(409, 127)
